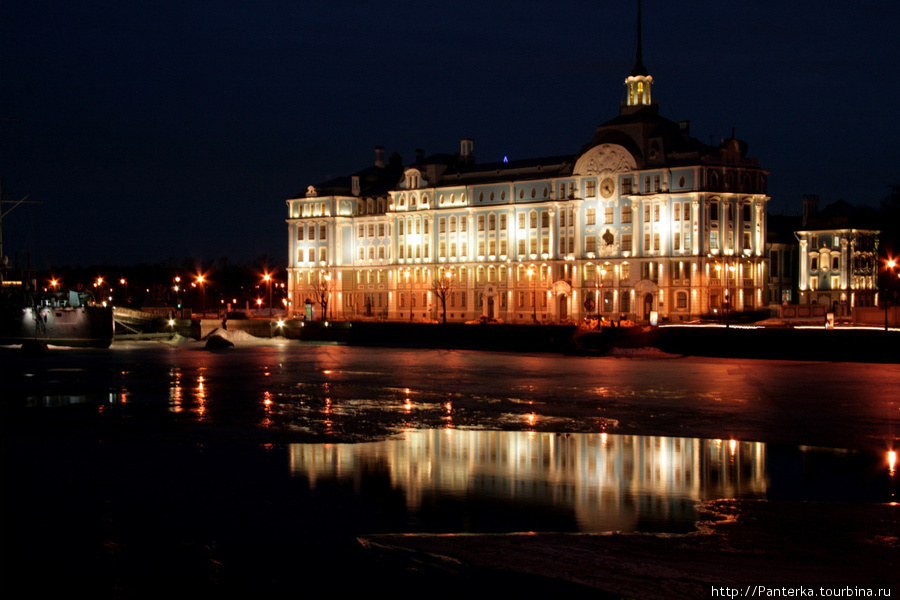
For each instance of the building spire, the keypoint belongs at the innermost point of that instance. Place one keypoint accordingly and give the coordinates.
(639, 68)
(637, 85)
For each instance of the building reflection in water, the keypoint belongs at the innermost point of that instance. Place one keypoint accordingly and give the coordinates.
(608, 482)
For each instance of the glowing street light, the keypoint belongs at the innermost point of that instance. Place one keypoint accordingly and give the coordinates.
(268, 279)
(891, 263)
(200, 280)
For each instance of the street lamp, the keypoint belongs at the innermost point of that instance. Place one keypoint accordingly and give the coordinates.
(728, 296)
(268, 279)
(891, 263)
(409, 290)
(200, 281)
(533, 293)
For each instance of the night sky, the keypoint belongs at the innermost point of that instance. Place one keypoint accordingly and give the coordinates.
(166, 130)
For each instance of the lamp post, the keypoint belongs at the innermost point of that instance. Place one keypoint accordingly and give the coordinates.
(887, 284)
(268, 279)
(409, 291)
(729, 274)
(200, 280)
(533, 293)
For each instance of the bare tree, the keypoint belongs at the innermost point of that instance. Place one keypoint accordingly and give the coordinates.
(321, 291)
(441, 286)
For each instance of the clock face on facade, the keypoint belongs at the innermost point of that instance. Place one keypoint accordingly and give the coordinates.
(607, 187)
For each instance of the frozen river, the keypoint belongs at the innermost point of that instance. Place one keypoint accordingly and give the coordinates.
(259, 466)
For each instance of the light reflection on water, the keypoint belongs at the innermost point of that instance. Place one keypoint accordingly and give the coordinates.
(603, 482)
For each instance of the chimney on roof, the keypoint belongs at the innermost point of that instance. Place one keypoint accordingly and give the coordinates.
(810, 207)
(685, 128)
(379, 157)
(467, 149)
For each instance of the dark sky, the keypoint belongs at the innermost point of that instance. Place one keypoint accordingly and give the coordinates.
(176, 129)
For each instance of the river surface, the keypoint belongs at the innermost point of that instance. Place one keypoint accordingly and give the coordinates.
(156, 467)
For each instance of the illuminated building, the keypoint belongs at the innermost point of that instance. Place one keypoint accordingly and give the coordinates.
(838, 258)
(644, 216)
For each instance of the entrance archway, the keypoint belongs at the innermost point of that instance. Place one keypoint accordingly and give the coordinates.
(648, 306)
(563, 307)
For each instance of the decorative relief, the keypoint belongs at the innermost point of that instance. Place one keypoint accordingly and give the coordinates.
(605, 158)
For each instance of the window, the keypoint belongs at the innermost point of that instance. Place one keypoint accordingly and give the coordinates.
(521, 220)
(590, 244)
(681, 300)
(608, 215)
(687, 211)
(676, 241)
(503, 222)
(590, 189)
(713, 240)
(656, 213)
(656, 246)
(714, 211)
(646, 213)
(656, 183)
(591, 217)
(442, 225)
(480, 222)
(835, 263)
(302, 229)
(492, 222)
(676, 212)
(626, 185)
(625, 272)
(533, 220)
(626, 214)
(626, 242)
(545, 219)
(462, 224)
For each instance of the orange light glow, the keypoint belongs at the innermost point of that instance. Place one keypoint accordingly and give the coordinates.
(892, 461)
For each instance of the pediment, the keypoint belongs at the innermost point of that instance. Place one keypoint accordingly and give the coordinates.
(605, 158)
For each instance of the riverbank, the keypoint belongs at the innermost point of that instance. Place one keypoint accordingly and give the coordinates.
(815, 344)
